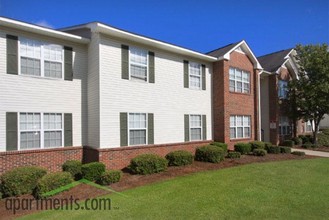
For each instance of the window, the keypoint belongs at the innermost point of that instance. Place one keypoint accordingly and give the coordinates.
(284, 126)
(239, 81)
(137, 128)
(41, 59)
(195, 127)
(240, 126)
(308, 126)
(138, 64)
(40, 130)
(195, 75)
(282, 91)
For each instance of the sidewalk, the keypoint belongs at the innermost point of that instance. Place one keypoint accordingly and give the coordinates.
(312, 152)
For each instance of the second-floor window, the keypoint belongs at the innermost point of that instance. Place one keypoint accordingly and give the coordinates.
(239, 81)
(282, 90)
(195, 75)
(40, 59)
(138, 64)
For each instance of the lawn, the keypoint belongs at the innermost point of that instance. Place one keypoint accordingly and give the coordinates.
(296, 189)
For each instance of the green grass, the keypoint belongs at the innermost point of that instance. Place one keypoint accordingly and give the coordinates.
(279, 190)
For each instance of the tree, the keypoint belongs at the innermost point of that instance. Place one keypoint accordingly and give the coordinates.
(308, 95)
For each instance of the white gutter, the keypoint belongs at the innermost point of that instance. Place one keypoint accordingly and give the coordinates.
(259, 109)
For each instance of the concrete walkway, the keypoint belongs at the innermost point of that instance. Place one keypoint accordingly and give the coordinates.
(312, 152)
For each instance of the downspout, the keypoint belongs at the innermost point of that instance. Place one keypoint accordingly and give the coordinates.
(259, 109)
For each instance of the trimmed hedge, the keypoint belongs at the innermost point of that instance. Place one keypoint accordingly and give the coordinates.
(233, 154)
(179, 158)
(274, 149)
(209, 153)
(306, 138)
(109, 177)
(323, 138)
(288, 143)
(268, 145)
(21, 180)
(259, 152)
(243, 148)
(52, 181)
(148, 164)
(73, 167)
(257, 145)
(92, 171)
(298, 141)
(309, 145)
(298, 153)
(221, 145)
(285, 150)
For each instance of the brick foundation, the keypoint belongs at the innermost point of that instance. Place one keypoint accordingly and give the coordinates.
(51, 159)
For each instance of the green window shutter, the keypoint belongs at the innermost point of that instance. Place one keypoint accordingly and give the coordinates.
(123, 129)
(68, 131)
(203, 77)
(124, 62)
(151, 67)
(187, 127)
(12, 54)
(68, 67)
(204, 127)
(150, 126)
(11, 131)
(186, 75)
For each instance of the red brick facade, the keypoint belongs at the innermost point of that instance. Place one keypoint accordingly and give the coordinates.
(226, 103)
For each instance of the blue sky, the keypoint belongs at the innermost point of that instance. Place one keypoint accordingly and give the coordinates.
(201, 25)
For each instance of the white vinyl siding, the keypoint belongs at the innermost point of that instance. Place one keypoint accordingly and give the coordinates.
(137, 126)
(284, 126)
(240, 126)
(282, 90)
(239, 81)
(195, 127)
(138, 64)
(195, 80)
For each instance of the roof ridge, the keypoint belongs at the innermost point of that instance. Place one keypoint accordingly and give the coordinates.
(224, 46)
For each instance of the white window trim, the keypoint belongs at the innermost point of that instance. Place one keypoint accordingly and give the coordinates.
(42, 60)
(190, 127)
(243, 127)
(139, 64)
(41, 130)
(190, 74)
(146, 129)
(242, 81)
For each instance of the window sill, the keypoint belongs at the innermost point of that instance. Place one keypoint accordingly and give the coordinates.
(240, 139)
(240, 93)
(41, 77)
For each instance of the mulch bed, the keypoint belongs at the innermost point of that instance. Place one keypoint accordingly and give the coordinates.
(128, 181)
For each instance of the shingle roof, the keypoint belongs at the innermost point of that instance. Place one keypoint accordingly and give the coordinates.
(271, 62)
(222, 50)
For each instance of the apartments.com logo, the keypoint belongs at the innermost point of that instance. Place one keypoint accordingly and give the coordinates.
(71, 203)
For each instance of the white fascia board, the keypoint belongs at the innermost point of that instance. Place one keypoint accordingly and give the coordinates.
(41, 30)
(101, 28)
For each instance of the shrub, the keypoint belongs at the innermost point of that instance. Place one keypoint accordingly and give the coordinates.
(309, 145)
(73, 167)
(233, 154)
(274, 149)
(285, 150)
(243, 148)
(268, 145)
(20, 180)
(109, 177)
(298, 153)
(50, 182)
(0, 195)
(306, 138)
(221, 145)
(298, 141)
(92, 171)
(323, 138)
(257, 145)
(259, 152)
(210, 154)
(179, 158)
(288, 143)
(148, 164)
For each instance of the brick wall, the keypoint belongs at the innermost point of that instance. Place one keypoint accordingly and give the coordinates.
(51, 159)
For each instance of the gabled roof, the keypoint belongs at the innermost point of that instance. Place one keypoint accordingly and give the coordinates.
(224, 52)
(273, 61)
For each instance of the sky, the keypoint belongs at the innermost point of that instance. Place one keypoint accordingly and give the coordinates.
(201, 25)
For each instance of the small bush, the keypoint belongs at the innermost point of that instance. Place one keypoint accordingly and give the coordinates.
(309, 145)
(210, 154)
(109, 177)
(221, 145)
(298, 141)
(52, 181)
(323, 138)
(179, 158)
(243, 148)
(148, 164)
(259, 152)
(288, 143)
(20, 180)
(306, 138)
(233, 154)
(257, 145)
(274, 149)
(0, 195)
(268, 145)
(92, 171)
(73, 167)
(298, 153)
(285, 150)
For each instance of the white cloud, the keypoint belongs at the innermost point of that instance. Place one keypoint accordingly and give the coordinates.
(44, 23)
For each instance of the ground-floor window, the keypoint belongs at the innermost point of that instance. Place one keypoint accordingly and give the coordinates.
(195, 127)
(308, 126)
(240, 126)
(284, 126)
(137, 123)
